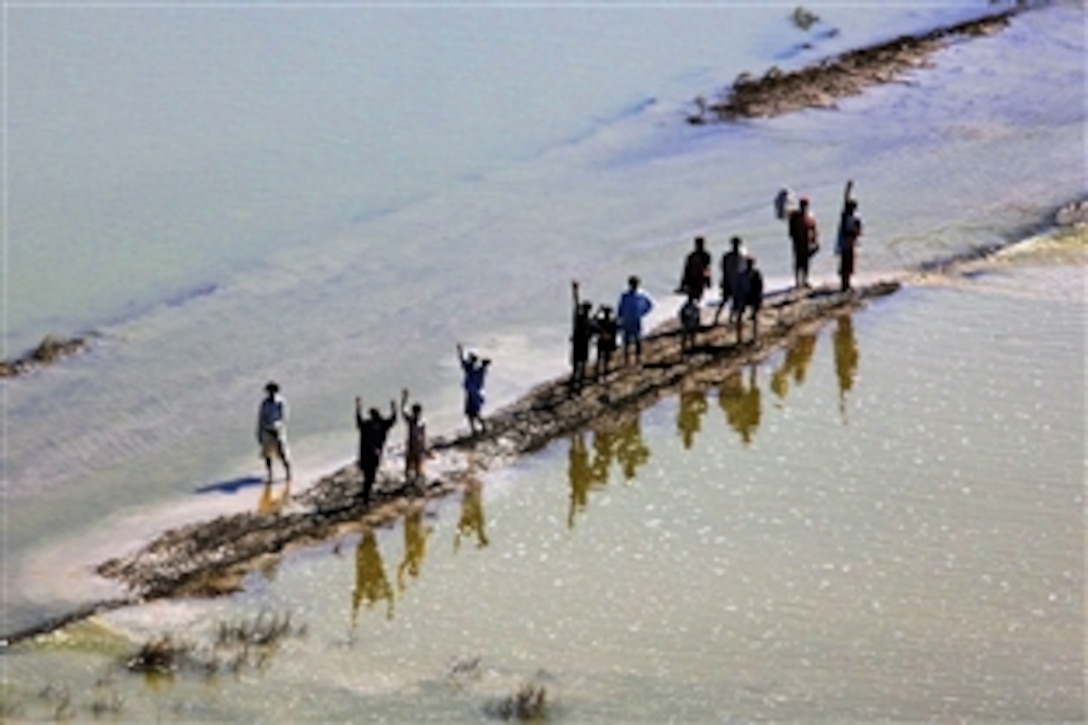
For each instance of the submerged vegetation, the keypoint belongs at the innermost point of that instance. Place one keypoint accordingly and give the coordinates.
(528, 704)
(236, 646)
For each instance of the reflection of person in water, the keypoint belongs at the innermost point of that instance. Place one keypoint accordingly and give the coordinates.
(631, 450)
(846, 357)
(580, 475)
(269, 504)
(796, 362)
(689, 416)
(415, 545)
(471, 523)
(604, 442)
(741, 403)
(371, 583)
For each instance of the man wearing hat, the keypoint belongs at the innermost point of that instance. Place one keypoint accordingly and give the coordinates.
(272, 430)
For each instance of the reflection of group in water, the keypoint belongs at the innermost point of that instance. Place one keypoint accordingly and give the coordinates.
(372, 585)
(741, 284)
(619, 443)
(739, 398)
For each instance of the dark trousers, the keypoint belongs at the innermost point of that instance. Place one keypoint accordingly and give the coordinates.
(370, 473)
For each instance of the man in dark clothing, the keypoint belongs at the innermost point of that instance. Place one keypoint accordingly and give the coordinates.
(848, 242)
(732, 268)
(696, 276)
(580, 338)
(805, 241)
(372, 433)
(607, 328)
(753, 290)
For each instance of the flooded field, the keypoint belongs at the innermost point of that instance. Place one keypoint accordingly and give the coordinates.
(884, 520)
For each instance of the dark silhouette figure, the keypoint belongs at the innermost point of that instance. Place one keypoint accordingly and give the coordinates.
(805, 241)
(695, 278)
(733, 267)
(849, 242)
(607, 328)
(580, 338)
(689, 325)
(373, 431)
(741, 403)
(475, 370)
(753, 298)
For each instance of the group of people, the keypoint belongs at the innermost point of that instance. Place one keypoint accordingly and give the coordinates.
(373, 427)
(741, 284)
(604, 326)
(804, 236)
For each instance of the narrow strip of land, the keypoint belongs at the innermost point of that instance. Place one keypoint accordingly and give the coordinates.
(778, 92)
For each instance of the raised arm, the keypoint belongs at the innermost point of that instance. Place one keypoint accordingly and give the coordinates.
(404, 402)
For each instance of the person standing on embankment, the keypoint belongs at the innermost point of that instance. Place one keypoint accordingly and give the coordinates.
(634, 304)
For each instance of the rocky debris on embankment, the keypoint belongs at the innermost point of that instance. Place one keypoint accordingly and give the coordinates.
(777, 92)
(49, 351)
(212, 557)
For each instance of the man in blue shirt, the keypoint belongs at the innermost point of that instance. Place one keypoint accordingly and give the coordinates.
(634, 304)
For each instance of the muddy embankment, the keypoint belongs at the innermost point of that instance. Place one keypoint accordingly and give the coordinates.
(49, 351)
(777, 92)
(212, 558)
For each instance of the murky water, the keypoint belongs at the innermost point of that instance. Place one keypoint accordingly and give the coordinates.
(884, 520)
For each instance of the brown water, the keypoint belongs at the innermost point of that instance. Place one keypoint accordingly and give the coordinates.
(884, 521)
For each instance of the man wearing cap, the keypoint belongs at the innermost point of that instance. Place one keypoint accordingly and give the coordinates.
(802, 227)
(272, 429)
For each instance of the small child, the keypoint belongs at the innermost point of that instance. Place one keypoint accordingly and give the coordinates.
(689, 324)
(416, 444)
(607, 328)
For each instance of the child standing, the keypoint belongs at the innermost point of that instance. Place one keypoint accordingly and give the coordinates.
(416, 444)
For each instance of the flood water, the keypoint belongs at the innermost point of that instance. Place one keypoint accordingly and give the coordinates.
(883, 520)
